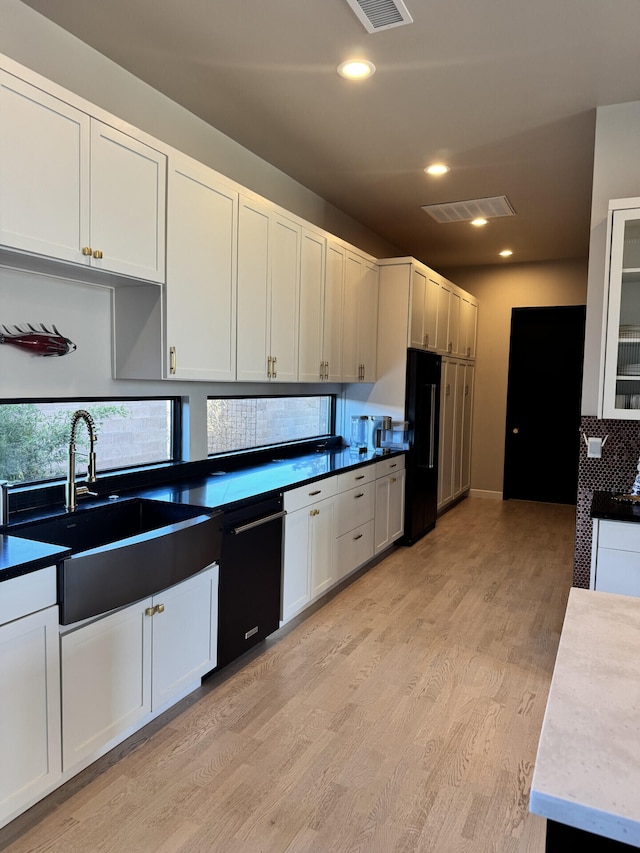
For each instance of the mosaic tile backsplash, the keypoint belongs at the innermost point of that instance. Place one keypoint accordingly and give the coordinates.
(614, 472)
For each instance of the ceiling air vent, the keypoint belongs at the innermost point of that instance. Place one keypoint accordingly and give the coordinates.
(377, 15)
(463, 211)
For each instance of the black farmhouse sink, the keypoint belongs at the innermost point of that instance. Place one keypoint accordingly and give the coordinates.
(125, 551)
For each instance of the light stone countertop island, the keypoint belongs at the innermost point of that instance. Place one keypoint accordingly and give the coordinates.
(587, 772)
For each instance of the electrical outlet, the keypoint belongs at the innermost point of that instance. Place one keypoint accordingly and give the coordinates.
(594, 447)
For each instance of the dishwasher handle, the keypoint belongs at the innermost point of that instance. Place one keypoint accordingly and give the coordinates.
(236, 531)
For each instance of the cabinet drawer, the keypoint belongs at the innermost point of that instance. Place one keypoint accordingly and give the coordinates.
(621, 535)
(309, 494)
(388, 466)
(27, 594)
(357, 477)
(617, 571)
(355, 548)
(355, 507)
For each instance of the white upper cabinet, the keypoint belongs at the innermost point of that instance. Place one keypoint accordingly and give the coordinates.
(44, 172)
(360, 320)
(200, 296)
(76, 190)
(312, 291)
(333, 308)
(423, 314)
(268, 294)
(468, 325)
(620, 388)
(284, 239)
(128, 205)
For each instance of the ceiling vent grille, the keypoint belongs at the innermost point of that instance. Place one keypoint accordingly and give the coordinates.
(475, 208)
(377, 15)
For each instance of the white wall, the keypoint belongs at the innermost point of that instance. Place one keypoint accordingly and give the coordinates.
(616, 174)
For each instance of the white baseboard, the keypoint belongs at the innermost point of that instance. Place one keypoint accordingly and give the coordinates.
(485, 493)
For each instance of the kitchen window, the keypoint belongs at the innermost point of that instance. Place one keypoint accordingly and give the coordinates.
(247, 423)
(34, 435)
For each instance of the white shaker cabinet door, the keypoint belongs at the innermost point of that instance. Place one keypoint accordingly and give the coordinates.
(447, 432)
(284, 248)
(253, 291)
(360, 320)
(44, 172)
(201, 274)
(128, 205)
(333, 306)
(185, 634)
(312, 306)
(106, 682)
(417, 334)
(29, 711)
(296, 577)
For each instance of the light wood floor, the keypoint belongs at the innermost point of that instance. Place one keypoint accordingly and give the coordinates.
(403, 715)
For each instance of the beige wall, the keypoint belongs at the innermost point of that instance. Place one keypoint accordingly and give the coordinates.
(499, 289)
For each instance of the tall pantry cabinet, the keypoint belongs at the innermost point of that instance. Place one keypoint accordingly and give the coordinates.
(421, 309)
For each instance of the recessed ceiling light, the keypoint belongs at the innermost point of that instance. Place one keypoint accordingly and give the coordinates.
(479, 221)
(356, 69)
(506, 253)
(437, 169)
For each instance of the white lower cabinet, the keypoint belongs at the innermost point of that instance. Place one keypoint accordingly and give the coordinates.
(309, 546)
(615, 561)
(390, 483)
(356, 510)
(124, 668)
(336, 525)
(30, 694)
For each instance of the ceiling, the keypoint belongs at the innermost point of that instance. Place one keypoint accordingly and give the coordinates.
(503, 90)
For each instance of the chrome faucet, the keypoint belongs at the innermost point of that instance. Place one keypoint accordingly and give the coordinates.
(72, 491)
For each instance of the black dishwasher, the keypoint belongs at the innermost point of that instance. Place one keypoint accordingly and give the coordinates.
(250, 576)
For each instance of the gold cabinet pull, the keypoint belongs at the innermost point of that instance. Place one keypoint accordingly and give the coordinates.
(159, 608)
(269, 367)
(149, 611)
(87, 250)
(326, 370)
(315, 512)
(97, 254)
(274, 368)
(173, 359)
(393, 479)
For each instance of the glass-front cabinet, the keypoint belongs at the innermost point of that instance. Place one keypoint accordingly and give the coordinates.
(621, 387)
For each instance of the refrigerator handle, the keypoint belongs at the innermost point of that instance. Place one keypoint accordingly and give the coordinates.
(432, 426)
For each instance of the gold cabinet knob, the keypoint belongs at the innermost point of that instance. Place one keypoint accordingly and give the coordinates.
(149, 611)
(87, 250)
(160, 608)
(97, 254)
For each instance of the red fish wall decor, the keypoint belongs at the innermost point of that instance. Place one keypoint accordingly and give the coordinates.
(42, 341)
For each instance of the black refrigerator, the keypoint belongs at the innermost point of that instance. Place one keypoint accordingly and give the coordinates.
(422, 411)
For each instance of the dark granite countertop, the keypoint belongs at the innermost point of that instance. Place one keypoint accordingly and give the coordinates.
(603, 505)
(217, 490)
(21, 556)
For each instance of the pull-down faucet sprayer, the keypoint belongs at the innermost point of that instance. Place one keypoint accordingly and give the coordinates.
(72, 491)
